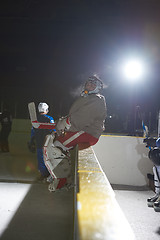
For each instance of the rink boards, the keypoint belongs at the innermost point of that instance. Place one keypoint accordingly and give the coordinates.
(98, 214)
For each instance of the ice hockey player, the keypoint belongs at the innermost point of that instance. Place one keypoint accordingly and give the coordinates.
(154, 156)
(6, 125)
(39, 135)
(83, 126)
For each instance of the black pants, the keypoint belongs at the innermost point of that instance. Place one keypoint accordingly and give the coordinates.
(4, 134)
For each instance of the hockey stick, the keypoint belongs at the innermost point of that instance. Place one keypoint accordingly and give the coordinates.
(145, 128)
(32, 111)
(33, 117)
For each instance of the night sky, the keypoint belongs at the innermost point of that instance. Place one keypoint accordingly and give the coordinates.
(49, 48)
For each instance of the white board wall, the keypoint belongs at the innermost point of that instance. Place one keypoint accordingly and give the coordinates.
(124, 159)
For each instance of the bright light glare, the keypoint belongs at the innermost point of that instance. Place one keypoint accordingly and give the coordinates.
(133, 69)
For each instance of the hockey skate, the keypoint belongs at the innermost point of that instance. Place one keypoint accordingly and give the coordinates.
(152, 200)
(157, 205)
(41, 179)
(57, 162)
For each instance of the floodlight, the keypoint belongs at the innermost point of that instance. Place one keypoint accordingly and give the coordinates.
(133, 69)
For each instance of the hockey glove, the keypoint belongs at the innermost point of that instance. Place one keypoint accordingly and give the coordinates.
(150, 141)
(63, 124)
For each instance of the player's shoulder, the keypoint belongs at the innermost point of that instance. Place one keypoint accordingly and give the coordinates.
(50, 118)
(43, 118)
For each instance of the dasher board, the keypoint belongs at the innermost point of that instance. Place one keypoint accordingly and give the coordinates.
(99, 215)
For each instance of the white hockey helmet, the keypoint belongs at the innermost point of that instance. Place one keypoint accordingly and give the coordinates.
(96, 80)
(43, 107)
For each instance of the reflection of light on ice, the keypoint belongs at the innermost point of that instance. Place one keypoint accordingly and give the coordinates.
(12, 194)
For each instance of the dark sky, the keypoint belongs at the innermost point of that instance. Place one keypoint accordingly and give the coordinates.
(48, 48)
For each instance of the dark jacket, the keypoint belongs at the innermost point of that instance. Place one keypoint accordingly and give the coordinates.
(6, 120)
(40, 134)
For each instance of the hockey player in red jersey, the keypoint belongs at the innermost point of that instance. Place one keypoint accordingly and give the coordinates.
(83, 126)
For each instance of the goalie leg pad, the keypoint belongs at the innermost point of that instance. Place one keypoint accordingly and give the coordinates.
(62, 182)
(49, 140)
(156, 171)
(57, 183)
(59, 168)
(57, 163)
(60, 165)
(53, 186)
(63, 169)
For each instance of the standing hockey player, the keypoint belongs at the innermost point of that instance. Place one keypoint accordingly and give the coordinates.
(6, 124)
(83, 126)
(39, 135)
(154, 156)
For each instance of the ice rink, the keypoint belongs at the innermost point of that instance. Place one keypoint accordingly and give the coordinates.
(29, 211)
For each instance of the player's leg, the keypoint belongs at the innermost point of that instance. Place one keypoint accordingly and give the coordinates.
(57, 163)
(56, 155)
(81, 138)
(70, 140)
(152, 200)
(157, 189)
(41, 166)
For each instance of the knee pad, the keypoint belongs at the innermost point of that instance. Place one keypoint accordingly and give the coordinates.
(154, 156)
(57, 163)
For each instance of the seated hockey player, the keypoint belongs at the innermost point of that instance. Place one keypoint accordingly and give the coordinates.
(154, 156)
(83, 126)
(39, 136)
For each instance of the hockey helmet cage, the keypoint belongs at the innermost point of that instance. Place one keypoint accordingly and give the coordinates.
(43, 107)
(96, 80)
(154, 156)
